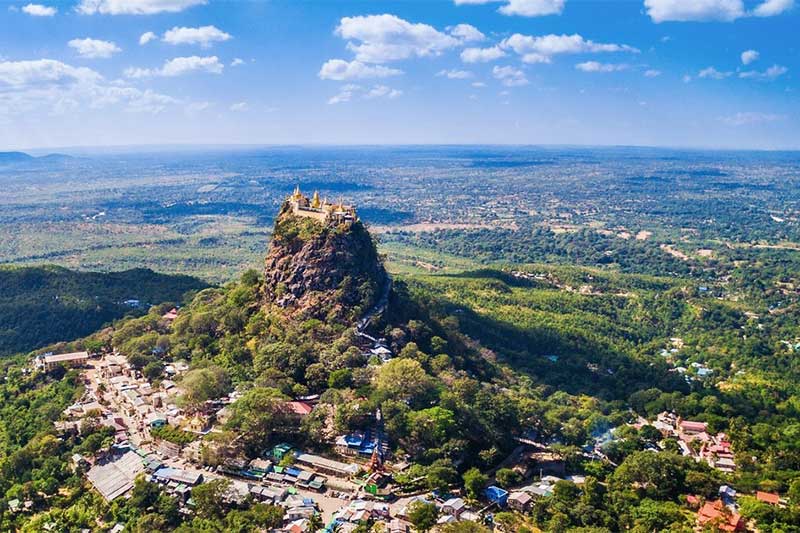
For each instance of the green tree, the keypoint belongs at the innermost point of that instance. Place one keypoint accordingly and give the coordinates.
(474, 482)
(208, 498)
(423, 516)
(507, 477)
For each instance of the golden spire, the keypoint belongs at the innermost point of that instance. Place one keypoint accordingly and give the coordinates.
(297, 194)
(315, 203)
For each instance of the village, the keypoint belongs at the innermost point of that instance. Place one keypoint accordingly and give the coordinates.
(343, 489)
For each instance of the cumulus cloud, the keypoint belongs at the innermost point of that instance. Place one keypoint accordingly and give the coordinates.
(595, 66)
(509, 76)
(147, 37)
(384, 38)
(711, 10)
(21, 73)
(350, 91)
(532, 8)
(523, 8)
(239, 106)
(773, 72)
(134, 7)
(178, 67)
(38, 10)
(770, 8)
(205, 36)
(652, 73)
(694, 10)
(751, 117)
(466, 33)
(237, 61)
(94, 48)
(541, 49)
(481, 55)
(748, 56)
(713, 74)
(339, 70)
(56, 87)
(455, 74)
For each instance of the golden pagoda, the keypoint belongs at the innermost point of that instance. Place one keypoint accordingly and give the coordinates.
(315, 202)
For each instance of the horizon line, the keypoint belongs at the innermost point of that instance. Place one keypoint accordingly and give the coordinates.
(164, 147)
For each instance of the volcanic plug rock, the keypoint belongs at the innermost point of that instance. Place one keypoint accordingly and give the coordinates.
(322, 266)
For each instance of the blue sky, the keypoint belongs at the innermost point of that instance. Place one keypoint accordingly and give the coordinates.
(699, 73)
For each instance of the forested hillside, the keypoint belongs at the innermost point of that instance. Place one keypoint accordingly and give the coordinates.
(43, 305)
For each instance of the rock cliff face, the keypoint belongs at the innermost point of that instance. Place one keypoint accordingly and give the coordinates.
(322, 270)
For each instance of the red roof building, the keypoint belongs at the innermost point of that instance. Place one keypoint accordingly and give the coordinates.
(692, 428)
(768, 497)
(299, 408)
(716, 514)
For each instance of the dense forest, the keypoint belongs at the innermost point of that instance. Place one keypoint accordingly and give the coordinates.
(43, 305)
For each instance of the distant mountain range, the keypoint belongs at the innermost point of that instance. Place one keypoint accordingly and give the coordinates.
(13, 158)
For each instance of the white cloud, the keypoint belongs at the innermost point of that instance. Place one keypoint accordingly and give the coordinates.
(384, 38)
(55, 87)
(748, 56)
(509, 76)
(94, 48)
(770, 8)
(147, 37)
(466, 33)
(348, 92)
(711, 10)
(135, 7)
(345, 94)
(21, 73)
(750, 117)
(455, 74)
(712, 73)
(532, 8)
(478, 84)
(179, 66)
(481, 55)
(38, 10)
(523, 8)
(339, 69)
(652, 73)
(237, 61)
(686, 78)
(204, 35)
(694, 10)
(541, 49)
(595, 66)
(239, 106)
(773, 72)
(381, 91)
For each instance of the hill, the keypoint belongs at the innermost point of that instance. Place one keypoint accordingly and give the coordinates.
(322, 270)
(43, 305)
(14, 157)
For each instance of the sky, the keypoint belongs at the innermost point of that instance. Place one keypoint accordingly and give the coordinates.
(678, 73)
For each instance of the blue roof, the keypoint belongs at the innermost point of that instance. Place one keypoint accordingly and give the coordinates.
(496, 494)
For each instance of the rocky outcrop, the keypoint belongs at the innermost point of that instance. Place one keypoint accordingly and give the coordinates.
(329, 271)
